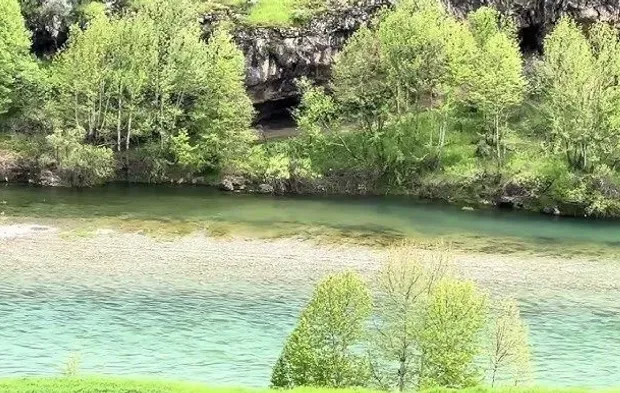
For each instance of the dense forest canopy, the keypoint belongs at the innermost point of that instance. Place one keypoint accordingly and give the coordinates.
(420, 102)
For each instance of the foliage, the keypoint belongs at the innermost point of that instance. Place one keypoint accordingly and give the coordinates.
(71, 368)
(321, 350)
(404, 287)
(147, 75)
(15, 61)
(497, 86)
(580, 95)
(509, 351)
(79, 164)
(287, 12)
(451, 340)
(272, 12)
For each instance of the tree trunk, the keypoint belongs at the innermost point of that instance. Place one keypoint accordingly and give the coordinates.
(128, 131)
(118, 123)
(498, 142)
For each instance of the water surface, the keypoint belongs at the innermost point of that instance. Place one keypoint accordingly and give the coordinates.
(227, 326)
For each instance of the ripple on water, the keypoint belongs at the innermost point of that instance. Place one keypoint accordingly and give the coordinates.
(234, 338)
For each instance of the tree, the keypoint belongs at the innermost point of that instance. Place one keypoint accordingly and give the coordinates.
(404, 286)
(580, 93)
(224, 113)
(82, 75)
(451, 337)
(497, 86)
(321, 351)
(15, 61)
(509, 351)
(147, 75)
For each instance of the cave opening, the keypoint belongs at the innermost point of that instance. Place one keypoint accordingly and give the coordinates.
(275, 118)
(531, 39)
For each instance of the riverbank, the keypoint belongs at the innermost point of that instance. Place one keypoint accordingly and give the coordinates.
(598, 196)
(115, 385)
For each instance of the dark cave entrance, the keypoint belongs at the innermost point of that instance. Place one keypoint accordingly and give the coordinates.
(275, 119)
(531, 39)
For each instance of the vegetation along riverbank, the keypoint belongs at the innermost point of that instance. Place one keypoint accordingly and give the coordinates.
(419, 102)
(111, 385)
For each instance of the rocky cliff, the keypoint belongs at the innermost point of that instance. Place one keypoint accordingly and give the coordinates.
(276, 56)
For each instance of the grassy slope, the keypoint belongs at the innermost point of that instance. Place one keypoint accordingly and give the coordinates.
(272, 12)
(112, 385)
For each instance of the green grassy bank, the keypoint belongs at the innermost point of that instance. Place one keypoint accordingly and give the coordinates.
(114, 385)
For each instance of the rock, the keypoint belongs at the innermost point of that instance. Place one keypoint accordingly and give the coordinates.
(467, 208)
(233, 183)
(277, 56)
(264, 188)
(227, 185)
(509, 202)
(551, 210)
(48, 178)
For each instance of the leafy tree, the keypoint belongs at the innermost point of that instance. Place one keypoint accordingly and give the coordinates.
(361, 91)
(81, 77)
(509, 351)
(497, 86)
(580, 93)
(398, 85)
(404, 287)
(321, 351)
(451, 339)
(148, 76)
(224, 112)
(15, 59)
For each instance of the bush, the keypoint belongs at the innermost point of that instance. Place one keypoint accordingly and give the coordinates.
(79, 164)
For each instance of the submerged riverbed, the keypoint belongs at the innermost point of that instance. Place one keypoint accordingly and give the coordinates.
(219, 310)
(373, 218)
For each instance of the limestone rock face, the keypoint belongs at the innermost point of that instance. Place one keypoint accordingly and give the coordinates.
(276, 56)
(531, 12)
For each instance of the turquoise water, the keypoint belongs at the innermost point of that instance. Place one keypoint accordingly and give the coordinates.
(231, 332)
(381, 215)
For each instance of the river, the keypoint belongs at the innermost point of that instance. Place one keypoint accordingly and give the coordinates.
(218, 311)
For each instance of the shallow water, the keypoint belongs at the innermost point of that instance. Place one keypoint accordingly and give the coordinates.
(230, 331)
(393, 215)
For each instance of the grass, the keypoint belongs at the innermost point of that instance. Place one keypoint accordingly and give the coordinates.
(273, 12)
(116, 385)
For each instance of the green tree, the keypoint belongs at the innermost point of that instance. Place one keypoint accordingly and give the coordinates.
(509, 352)
(224, 112)
(148, 76)
(321, 351)
(580, 94)
(15, 62)
(398, 85)
(497, 87)
(404, 287)
(452, 335)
